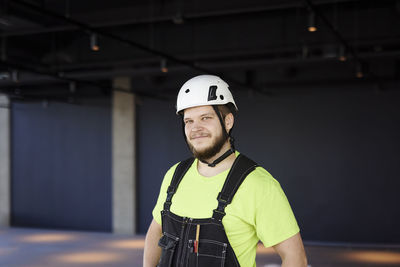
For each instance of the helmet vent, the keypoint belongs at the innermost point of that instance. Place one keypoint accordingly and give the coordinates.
(187, 91)
(212, 93)
(222, 97)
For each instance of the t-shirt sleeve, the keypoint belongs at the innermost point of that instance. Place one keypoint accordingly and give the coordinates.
(163, 195)
(275, 221)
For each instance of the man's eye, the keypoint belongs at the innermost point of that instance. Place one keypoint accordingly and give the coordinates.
(187, 122)
(206, 118)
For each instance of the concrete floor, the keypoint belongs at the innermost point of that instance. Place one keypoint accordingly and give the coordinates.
(34, 248)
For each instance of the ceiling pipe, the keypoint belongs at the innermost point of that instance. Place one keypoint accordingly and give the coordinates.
(155, 70)
(168, 57)
(348, 48)
(167, 18)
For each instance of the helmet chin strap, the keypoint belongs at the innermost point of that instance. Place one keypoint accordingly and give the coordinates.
(221, 158)
(228, 135)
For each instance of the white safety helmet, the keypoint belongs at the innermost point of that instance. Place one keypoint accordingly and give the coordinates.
(204, 90)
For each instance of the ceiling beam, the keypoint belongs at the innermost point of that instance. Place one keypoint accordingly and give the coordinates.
(276, 6)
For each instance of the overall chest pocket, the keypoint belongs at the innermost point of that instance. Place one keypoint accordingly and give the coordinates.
(210, 253)
(168, 244)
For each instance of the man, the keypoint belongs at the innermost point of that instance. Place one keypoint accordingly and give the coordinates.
(213, 210)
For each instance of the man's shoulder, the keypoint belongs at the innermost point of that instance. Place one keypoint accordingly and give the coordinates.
(260, 178)
(172, 169)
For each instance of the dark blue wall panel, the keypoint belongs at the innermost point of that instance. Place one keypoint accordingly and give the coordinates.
(335, 156)
(160, 145)
(61, 165)
(335, 153)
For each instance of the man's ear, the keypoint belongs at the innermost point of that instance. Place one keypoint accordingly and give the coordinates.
(229, 121)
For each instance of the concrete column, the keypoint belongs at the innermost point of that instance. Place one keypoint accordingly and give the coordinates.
(5, 173)
(123, 157)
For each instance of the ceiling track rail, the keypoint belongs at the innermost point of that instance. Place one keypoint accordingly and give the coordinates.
(349, 49)
(91, 30)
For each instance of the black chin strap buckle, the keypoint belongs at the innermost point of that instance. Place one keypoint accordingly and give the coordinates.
(221, 158)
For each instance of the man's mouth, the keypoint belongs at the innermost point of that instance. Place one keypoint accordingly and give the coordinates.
(199, 136)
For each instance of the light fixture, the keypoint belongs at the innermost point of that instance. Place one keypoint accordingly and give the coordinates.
(311, 22)
(15, 76)
(359, 70)
(163, 65)
(178, 19)
(72, 87)
(93, 42)
(342, 53)
(304, 51)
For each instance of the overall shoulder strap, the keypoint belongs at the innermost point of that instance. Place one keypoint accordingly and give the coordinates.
(180, 171)
(239, 171)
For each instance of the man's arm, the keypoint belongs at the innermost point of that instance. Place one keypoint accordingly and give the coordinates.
(152, 251)
(292, 252)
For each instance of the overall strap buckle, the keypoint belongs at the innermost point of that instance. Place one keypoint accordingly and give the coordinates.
(223, 201)
(239, 171)
(180, 171)
(170, 193)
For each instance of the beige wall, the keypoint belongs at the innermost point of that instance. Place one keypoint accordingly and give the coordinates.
(4, 161)
(123, 157)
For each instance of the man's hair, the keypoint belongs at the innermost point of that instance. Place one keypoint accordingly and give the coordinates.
(223, 109)
(226, 109)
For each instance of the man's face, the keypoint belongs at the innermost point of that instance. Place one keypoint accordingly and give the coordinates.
(203, 132)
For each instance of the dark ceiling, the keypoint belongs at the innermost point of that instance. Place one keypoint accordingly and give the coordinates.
(259, 45)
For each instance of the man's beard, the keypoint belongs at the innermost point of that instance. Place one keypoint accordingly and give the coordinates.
(210, 151)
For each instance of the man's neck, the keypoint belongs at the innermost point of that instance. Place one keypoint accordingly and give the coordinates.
(208, 171)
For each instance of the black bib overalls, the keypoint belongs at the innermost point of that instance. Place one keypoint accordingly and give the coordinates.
(189, 242)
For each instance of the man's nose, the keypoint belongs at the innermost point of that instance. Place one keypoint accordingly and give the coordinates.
(196, 126)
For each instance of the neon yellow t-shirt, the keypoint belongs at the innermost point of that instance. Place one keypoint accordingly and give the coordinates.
(259, 209)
